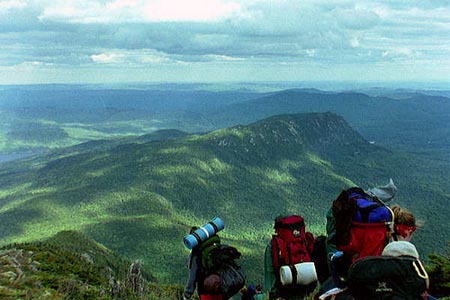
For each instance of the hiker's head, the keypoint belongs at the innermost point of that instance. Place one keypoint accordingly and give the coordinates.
(405, 223)
(400, 248)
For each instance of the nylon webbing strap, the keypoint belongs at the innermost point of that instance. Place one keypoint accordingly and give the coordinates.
(294, 274)
(420, 270)
(197, 237)
(216, 229)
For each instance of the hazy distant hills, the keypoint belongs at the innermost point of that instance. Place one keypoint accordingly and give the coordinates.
(42, 117)
(140, 196)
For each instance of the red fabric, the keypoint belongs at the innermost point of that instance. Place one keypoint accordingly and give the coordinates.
(366, 239)
(211, 297)
(404, 229)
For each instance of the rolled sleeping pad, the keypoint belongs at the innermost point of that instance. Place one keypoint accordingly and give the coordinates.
(204, 232)
(301, 273)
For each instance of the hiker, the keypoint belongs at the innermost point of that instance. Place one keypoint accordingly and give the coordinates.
(338, 229)
(259, 294)
(289, 272)
(395, 274)
(247, 293)
(243, 293)
(404, 227)
(208, 288)
(213, 270)
(359, 224)
(404, 224)
(403, 248)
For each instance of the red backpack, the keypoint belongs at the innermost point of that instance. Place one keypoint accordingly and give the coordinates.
(291, 244)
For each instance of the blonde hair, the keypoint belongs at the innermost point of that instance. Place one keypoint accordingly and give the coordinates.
(402, 216)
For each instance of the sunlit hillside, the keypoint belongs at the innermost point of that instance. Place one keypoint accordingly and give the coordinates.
(139, 198)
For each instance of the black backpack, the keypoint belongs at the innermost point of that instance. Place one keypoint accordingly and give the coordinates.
(387, 277)
(220, 259)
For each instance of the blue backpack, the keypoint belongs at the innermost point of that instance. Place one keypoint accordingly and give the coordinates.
(368, 208)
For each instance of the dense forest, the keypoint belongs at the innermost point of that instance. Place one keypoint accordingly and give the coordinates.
(139, 198)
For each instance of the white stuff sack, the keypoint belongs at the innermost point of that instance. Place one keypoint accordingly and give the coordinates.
(301, 273)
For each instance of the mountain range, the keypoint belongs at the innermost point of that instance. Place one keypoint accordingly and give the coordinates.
(35, 118)
(140, 195)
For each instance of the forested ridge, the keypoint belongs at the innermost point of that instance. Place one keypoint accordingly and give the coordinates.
(139, 197)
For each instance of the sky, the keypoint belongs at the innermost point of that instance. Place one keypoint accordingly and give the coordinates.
(102, 41)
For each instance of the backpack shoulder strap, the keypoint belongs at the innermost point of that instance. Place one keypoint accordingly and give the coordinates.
(215, 239)
(205, 250)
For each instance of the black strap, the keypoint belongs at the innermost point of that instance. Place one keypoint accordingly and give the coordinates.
(216, 229)
(294, 274)
(197, 237)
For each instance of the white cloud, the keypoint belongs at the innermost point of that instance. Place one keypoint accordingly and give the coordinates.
(8, 5)
(401, 53)
(193, 10)
(354, 42)
(310, 52)
(223, 58)
(129, 11)
(105, 58)
(137, 57)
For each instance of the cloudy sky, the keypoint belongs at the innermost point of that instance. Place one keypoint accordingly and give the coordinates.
(106, 41)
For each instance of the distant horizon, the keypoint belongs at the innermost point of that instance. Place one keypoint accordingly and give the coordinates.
(275, 85)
